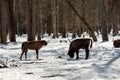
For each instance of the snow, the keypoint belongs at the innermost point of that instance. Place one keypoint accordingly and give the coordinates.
(54, 64)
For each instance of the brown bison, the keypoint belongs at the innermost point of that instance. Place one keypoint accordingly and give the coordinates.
(77, 44)
(32, 45)
(116, 43)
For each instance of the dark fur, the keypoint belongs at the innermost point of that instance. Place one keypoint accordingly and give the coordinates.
(78, 44)
(116, 43)
(32, 45)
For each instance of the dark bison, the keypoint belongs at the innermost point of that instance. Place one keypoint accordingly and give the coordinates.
(32, 45)
(116, 43)
(77, 44)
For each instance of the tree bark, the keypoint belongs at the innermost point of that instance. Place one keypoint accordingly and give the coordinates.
(11, 20)
(103, 22)
(39, 19)
(54, 25)
(30, 18)
(64, 26)
(4, 22)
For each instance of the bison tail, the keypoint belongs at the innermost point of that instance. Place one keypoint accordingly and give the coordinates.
(22, 47)
(90, 45)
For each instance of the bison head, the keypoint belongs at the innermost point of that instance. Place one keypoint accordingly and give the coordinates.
(71, 54)
(44, 42)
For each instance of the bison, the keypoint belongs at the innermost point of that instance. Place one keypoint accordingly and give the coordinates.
(32, 45)
(75, 45)
(116, 43)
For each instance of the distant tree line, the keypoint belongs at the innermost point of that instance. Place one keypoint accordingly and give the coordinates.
(36, 17)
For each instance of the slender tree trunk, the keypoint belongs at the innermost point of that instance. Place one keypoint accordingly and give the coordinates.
(114, 21)
(30, 18)
(0, 30)
(33, 18)
(19, 18)
(74, 29)
(4, 22)
(11, 21)
(64, 26)
(39, 26)
(0, 22)
(103, 22)
(53, 6)
(57, 16)
(48, 17)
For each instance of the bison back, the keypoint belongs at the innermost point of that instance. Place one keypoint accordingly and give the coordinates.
(116, 43)
(24, 45)
(81, 43)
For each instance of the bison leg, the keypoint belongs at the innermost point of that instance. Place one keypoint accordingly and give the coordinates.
(26, 54)
(37, 53)
(22, 54)
(77, 54)
(87, 53)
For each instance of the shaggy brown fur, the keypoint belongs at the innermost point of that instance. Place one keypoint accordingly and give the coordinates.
(78, 44)
(116, 43)
(32, 45)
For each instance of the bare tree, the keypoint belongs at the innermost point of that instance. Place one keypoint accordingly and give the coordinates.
(91, 32)
(63, 19)
(4, 22)
(39, 19)
(30, 19)
(19, 12)
(54, 22)
(59, 16)
(103, 21)
(11, 21)
(0, 23)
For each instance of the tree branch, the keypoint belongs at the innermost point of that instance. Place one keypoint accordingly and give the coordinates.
(83, 20)
(115, 1)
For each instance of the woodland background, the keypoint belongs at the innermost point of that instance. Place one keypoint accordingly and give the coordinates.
(58, 17)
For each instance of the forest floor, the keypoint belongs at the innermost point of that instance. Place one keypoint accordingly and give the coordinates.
(53, 64)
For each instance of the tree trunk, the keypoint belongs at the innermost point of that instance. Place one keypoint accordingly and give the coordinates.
(30, 18)
(115, 21)
(103, 22)
(11, 21)
(4, 22)
(40, 19)
(0, 22)
(54, 25)
(19, 16)
(64, 12)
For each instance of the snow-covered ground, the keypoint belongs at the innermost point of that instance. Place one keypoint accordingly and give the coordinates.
(53, 64)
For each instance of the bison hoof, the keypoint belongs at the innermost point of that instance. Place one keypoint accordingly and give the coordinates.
(86, 58)
(20, 58)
